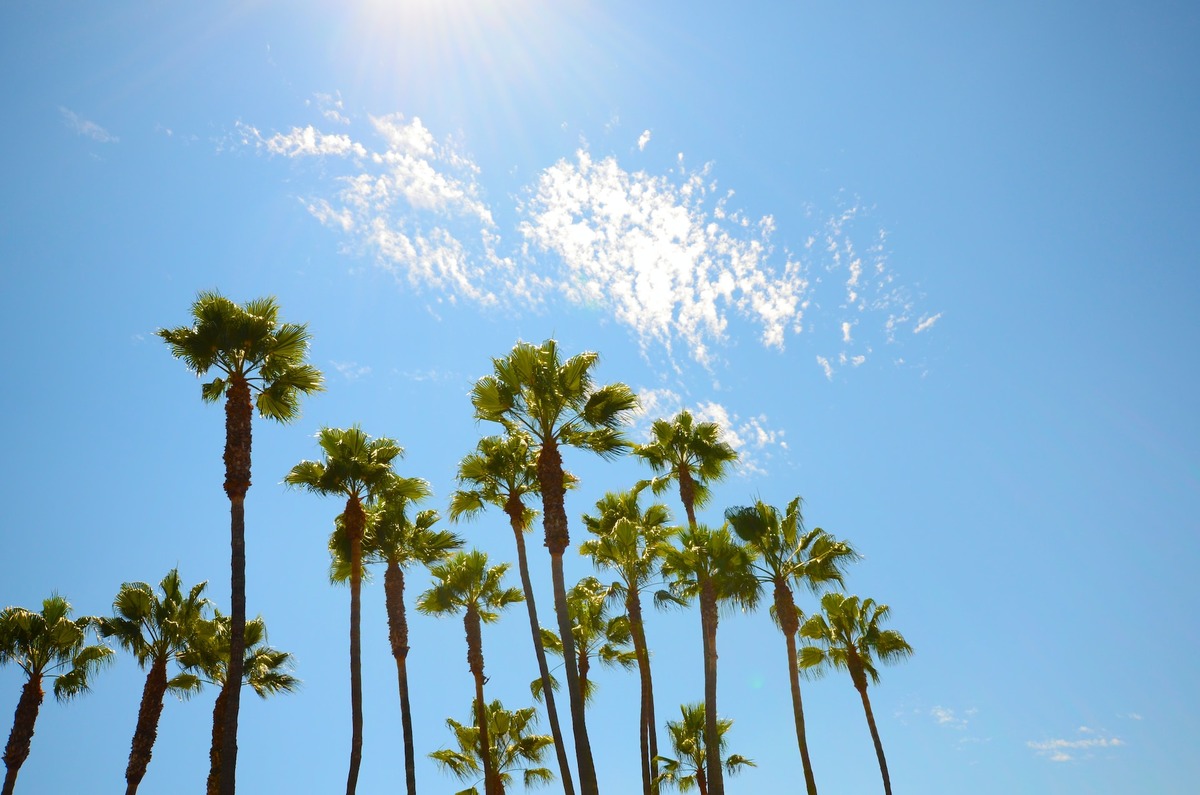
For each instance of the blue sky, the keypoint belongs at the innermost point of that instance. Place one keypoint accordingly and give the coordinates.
(932, 266)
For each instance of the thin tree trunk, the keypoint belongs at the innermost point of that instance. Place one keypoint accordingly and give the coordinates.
(475, 663)
(649, 739)
(238, 416)
(687, 495)
(789, 623)
(712, 737)
(214, 752)
(146, 731)
(17, 750)
(560, 748)
(355, 522)
(393, 591)
(887, 781)
(554, 517)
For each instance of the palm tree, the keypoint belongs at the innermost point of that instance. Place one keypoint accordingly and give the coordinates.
(356, 467)
(597, 635)
(556, 403)
(687, 738)
(155, 629)
(787, 555)
(264, 669)
(689, 453)
(502, 472)
(258, 358)
(49, 644)
(510, 749)
(849, 636)
(709, 565)
(397, 541)
(630, 542)
(466, 584)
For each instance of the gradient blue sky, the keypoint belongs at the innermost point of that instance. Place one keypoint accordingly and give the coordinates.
(932, 265)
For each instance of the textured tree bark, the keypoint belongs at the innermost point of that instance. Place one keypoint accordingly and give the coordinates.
(214, 751)
(516, 514)
(19, 740)
(475, 663)
(238, 417)
(687, 494)
(554, 517)
(649, 738)
(712, 737)
(860, 684)
(146, 731)
(356, 521)
(393, 591)
(789, 623)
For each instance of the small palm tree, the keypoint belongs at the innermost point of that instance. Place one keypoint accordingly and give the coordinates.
(788, 555)
(687, 738)
(689, 454)
(598, 635)
(556, 403)
(630, 542)
(156, 630)
(710, 566)
(49, 644)
(260, 359)
(398, 541)
(356, 467)
(849, 636)
(266, 670)
(466, 584)
(511, 749)
(502, 473)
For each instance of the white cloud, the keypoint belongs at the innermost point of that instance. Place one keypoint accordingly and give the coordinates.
(643, 139)
(331, 107)
(87, 128)
(303, 142)
(947, 717)
(926, 323)
(1063, 750)
(351, 371)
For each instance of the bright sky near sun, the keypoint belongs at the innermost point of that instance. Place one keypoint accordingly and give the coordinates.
(931, 265)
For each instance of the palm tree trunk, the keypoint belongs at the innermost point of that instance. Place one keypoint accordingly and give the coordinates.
(355, 520)
(712, 736)
(649, 738)
(214, 752)
(554, 517)
(560, 749)
(146, 731)
(862, 691)
(475, 663)
(687, 495)
(238, 415)
(393, 591)
(789, 623)
(17, 750)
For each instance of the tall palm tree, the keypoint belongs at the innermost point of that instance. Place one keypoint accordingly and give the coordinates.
(356, 467)
(155, 629)
(46, 644)
(630, 542)
(598, 635)
(557, 403)
(502, 472)
(465, 583)
(687, 738)
(708, 565)
(848, 635)
(266, 670)
(691, 455)
(788, 555)
(262, 361)
(511, 749)
(398, 541)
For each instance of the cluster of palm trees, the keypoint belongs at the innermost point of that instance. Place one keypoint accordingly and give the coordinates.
(540, 404)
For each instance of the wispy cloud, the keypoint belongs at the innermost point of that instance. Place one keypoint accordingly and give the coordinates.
(1066, 750)
(670, 255)
(351, 371)
(86, 127)
(948, 717)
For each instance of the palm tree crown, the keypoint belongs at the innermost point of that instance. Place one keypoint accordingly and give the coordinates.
(690, 454)
(687, 740)
(511, 748)
(44, 644)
